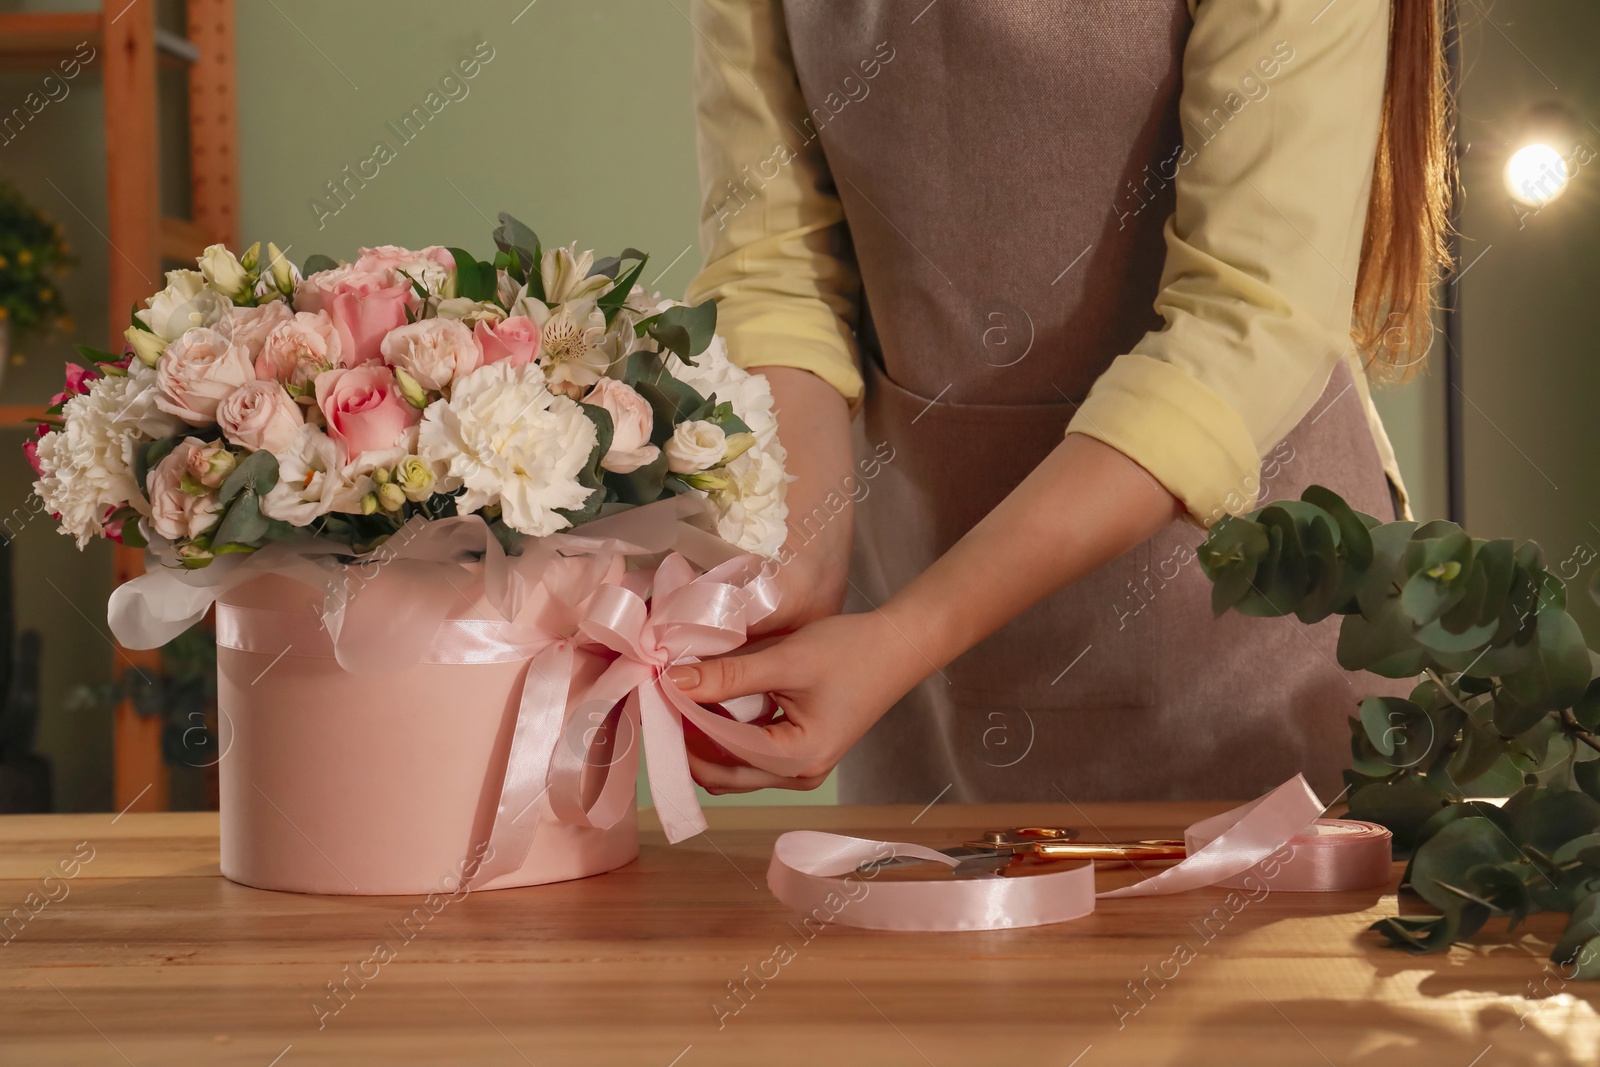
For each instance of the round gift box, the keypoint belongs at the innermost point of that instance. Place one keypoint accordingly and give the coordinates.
(382, 783)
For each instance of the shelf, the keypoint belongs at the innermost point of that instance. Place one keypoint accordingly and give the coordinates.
(183, 241)
(45, 38)
(14, 415)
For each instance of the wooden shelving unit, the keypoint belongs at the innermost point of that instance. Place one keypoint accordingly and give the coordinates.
(130, 46)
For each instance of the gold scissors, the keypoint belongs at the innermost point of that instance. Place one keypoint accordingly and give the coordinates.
(994, 850)
(1061, 843)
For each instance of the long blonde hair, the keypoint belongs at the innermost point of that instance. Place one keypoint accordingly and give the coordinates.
(1405, 250)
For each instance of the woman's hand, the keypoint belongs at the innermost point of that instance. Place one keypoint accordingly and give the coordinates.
(833, 678)
(814, 426)
(1084, 505)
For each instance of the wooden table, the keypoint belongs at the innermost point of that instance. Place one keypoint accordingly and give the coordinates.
(148, 956)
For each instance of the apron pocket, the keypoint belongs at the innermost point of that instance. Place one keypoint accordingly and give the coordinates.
(1086, 646)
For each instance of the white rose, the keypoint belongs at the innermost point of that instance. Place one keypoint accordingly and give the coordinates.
(298, 349)
(183, 305)
(695, 446)
(631, 422)
(224, 272)
(249, 328)
(510, 441)
(260, 415)
(433, 351)
(197, 372)
(310, 481)
(175, 513)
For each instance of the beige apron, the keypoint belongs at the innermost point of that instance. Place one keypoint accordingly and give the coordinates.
(1002, 141)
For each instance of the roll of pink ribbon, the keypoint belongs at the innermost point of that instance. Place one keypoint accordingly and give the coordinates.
(1277, 840)
(1329, 855)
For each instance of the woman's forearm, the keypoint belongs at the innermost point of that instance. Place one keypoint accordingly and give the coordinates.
(814, 427)
(1083, 506)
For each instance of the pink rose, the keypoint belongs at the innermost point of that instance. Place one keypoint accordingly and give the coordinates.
(415, 263)
(175, 513)
(631, 422)
(197, 372)
(260, 415)
(514, 341)
(249, 327)
(299, 349)
(434, 351)
(364, 305)
(364, 409)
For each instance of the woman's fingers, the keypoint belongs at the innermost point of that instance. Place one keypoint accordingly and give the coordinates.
(718, 778)
(715, 680)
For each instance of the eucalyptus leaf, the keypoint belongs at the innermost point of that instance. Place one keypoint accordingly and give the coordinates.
(317, 263)
(243, 524)
(257, 472)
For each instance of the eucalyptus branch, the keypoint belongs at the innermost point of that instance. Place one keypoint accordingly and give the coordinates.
(1570, 723)
(1411, 596)
(1445, 688)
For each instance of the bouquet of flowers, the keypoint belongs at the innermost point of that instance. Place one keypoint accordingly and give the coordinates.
(539, 390)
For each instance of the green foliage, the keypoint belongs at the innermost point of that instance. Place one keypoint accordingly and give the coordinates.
(1506, 702)
(33, 252)
(683, 331)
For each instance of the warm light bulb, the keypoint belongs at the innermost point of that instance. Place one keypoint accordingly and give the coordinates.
(1536, 175)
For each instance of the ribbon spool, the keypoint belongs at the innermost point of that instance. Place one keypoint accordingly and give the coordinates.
(1329, 855)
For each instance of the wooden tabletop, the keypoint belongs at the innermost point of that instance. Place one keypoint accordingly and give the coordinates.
(148, 956)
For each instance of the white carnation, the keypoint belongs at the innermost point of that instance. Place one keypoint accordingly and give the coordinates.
(88, 464)
(751, 513)
(510, 441)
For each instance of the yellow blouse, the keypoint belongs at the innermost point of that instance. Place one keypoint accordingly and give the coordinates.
(1262, 249)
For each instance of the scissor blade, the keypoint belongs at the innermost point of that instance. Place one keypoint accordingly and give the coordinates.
(973, 861)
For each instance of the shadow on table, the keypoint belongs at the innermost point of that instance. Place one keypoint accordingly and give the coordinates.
(1501, 1003)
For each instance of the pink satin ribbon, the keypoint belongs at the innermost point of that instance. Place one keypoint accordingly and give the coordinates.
(819, 874)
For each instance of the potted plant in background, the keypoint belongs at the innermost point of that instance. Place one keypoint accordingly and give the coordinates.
(33, 252)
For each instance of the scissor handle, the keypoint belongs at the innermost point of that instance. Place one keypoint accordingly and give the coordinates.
(1111, 850)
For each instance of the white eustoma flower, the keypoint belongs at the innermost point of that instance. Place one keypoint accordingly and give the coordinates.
(88, 465)
(750, 394)
(224, 273)
(511, 441)
(311, 482)
(695, 446)
(185, 303)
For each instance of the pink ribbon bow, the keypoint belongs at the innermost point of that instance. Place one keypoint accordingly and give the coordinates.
(686, 618)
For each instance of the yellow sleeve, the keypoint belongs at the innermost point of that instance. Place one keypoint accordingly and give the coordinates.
(772, 230)
(1280, 109)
